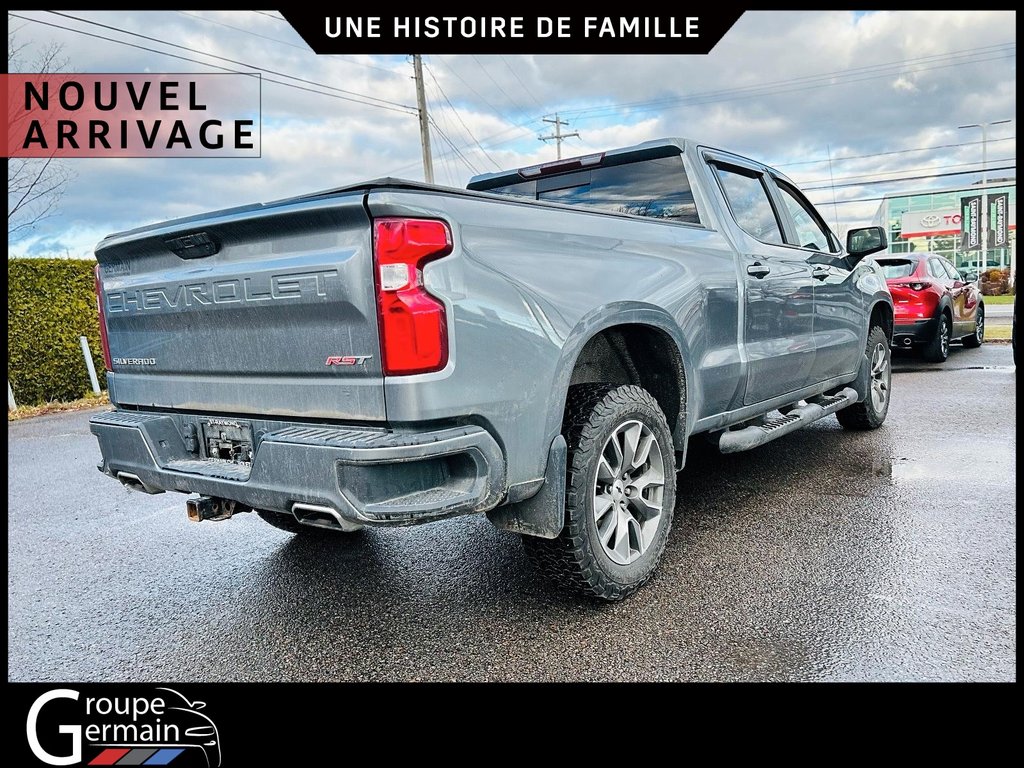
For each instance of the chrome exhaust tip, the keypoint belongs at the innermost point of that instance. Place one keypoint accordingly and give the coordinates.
(319, 516)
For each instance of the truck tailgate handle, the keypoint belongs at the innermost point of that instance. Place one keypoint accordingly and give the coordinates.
(758, 270)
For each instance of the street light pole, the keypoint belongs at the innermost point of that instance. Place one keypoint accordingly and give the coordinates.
(984, 191)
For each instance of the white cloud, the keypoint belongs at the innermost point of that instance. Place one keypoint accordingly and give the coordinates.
(895, 80)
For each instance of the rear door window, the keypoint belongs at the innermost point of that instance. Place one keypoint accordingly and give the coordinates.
(951, 271)
(935, 269)
(811, 231)
(749, 202)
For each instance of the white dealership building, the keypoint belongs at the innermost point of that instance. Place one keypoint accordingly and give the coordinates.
(930, 221)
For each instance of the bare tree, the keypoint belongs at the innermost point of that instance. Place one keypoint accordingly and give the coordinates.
(35, 186)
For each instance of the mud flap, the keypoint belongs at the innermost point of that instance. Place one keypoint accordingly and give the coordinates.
(863, 381)
(541, 515)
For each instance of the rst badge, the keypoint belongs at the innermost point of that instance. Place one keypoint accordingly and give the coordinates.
(348, 359)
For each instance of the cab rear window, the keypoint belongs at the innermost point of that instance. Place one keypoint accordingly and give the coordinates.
(657, 189)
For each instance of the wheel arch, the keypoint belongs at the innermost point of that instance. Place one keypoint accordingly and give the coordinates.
(591, 350)
(882, 315)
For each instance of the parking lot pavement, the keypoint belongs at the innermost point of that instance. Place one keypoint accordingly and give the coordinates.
(826, 555)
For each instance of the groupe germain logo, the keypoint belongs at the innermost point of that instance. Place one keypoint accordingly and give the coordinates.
(931, 220)
(164, 728)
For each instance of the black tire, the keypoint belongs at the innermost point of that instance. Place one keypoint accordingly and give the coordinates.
(937, 350)
(290, 524)
(577, 558)
(870, 413)
(977, 338)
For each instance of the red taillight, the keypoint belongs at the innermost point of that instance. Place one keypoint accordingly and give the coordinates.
(103, 322)
(916, 286)
(413, 326)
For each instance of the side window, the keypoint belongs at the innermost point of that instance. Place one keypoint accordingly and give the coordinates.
(810, 231)
(751, 207)
(951, 271)
(935, 269)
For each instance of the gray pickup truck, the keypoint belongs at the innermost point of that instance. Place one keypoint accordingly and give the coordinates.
(539, 347)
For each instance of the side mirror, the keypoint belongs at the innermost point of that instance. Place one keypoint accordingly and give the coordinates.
(865, 241)
(970, 275)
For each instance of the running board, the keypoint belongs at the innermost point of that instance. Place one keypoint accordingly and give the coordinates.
(734, 441)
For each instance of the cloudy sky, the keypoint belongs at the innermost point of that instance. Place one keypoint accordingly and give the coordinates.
(882, 93)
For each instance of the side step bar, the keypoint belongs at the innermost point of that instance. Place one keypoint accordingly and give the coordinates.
(734, 441)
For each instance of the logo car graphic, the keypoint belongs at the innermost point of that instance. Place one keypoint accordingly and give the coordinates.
(198, 732)
(930, 220)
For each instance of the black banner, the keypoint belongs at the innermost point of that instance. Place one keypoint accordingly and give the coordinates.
(999, 219)
(970, 223)
(204, 725)
(693, 33)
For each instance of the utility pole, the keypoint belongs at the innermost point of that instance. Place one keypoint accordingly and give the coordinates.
(556, 135)
(984, 223)
(421, 104)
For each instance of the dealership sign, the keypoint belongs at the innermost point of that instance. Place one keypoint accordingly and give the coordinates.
(930, 223)
(948, 221)
(999, 219)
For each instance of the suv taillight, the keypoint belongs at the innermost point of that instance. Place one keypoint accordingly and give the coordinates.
(103, 322)
(413, 326)
(915, 286)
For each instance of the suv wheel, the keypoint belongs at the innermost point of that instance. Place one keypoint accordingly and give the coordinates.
(937, 350)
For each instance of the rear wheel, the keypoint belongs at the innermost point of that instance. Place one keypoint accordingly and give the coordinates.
(290, 524)
(620, 493)
(977, 338)
(937, 350)
(871, 412)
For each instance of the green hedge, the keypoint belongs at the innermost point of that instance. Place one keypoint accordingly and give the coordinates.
(50, 303)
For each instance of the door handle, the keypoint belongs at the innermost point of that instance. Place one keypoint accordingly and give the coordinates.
(820, 273)
(758, 270)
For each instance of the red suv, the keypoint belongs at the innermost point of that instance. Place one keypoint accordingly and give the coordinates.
(934, 304)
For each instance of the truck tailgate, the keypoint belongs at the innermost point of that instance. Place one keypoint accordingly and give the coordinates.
(266, 310)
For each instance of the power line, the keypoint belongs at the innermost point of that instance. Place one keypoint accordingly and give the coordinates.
(752, 90)
(520, 81)
(909, 178)
(480, 96)
(231, 61)
(497, 85)
(246, 31)
(904, 170)
(689, 101)
(272, 16)
(739, 93)
(455, 149)
(883, 154)
(303, 48)
(201, 63)
(459, 117)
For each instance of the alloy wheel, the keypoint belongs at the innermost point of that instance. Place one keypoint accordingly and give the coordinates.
(628, 492)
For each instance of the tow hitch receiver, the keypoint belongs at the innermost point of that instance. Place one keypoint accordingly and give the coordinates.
(212, 508)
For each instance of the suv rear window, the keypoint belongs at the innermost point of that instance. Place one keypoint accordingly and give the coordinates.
(657, 189)
(897, 267)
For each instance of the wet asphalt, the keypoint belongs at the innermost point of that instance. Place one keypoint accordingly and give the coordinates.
(825, 555)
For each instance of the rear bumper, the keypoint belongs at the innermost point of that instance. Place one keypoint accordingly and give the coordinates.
(910, 333)
(368, 476)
